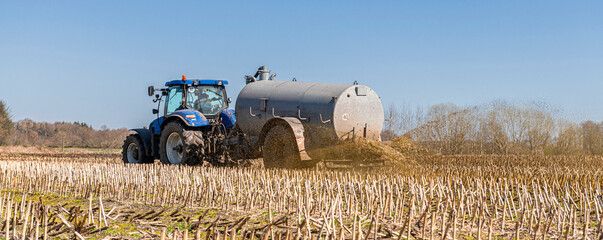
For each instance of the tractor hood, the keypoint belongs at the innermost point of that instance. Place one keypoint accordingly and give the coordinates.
(190, 117)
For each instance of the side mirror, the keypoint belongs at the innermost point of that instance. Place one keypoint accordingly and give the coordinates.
(229, 100)
(151, 91)
(155, 111)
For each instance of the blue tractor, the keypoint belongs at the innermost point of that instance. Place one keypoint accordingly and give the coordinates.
(195, 122)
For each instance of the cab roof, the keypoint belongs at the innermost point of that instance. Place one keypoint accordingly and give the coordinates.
(197, 82)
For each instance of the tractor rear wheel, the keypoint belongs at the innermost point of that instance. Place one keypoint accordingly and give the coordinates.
(180, 146)
(280, 149)
(133, 150)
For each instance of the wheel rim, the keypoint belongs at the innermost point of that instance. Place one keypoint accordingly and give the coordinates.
(174, 148)
(133, 153)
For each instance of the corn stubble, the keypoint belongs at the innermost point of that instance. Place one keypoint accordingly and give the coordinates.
(438, 197)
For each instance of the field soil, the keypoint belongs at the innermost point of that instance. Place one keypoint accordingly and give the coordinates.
(93, 195)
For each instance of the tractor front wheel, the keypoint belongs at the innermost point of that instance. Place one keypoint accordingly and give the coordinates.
(133, 150)
(180, 146)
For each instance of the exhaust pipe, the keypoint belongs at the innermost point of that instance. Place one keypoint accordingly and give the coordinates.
(263, 73)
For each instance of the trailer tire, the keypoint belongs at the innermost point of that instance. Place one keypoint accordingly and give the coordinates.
(133, 150)
(180, 146)
(280, 149)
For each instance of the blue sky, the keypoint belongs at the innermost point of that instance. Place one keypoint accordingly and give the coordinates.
(91, 61)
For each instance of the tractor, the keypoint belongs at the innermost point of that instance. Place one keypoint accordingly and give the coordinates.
(192, 129)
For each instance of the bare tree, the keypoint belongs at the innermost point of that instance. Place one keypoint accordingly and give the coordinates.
(568, 140)
(496, 136)
(539, 129)
(392, 122)
(449, 128)
(593, 137)
(61, 135)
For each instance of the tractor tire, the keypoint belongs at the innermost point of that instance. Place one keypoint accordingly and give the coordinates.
(180, 146)
(133, 150)
(280, 149)
(195, 145)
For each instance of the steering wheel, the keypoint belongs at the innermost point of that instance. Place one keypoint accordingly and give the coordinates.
(202, 103)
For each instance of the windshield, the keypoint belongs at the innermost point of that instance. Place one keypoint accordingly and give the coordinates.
(209, 100)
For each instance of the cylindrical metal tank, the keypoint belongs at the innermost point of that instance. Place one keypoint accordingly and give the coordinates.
(328, 111)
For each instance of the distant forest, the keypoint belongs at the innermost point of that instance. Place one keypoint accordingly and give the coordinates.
(58, 134)
(63, 134)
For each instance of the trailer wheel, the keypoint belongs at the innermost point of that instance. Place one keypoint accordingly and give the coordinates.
(280, 149)
(133, 150)
(180, 146)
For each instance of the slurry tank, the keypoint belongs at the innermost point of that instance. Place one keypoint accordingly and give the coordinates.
(328, 111)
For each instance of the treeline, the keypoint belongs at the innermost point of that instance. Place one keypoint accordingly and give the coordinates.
(497, 128)
(64, 134)
(58, 134)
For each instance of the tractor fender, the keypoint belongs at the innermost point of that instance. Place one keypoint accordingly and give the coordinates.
(228, 118)
(145, 136)
(296, 127)
(189, 118)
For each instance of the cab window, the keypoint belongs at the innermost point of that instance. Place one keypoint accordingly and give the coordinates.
(174, 99)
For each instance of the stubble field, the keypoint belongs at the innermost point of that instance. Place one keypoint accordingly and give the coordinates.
(94, 195)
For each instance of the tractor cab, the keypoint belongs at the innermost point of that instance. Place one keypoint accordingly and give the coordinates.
(208, 97)
(192, 102)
